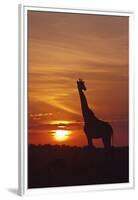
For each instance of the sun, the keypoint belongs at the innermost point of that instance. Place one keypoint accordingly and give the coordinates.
(61, 135)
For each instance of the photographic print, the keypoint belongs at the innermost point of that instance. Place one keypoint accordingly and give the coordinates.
(78, 99)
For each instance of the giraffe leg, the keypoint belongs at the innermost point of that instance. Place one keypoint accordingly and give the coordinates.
(107, 141)
(90, 142)
(108, 149)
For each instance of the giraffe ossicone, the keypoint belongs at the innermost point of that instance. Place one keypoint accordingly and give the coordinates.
(81, 84)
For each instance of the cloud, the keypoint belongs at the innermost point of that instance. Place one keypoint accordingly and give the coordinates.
(40, 115)
(43, 125)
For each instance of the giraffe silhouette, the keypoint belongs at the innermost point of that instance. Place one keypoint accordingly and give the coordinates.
(93, 127)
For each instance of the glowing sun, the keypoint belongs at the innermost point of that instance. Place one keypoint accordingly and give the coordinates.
(61, 135)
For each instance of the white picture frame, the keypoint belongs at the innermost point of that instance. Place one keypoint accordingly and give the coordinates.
(23, 96)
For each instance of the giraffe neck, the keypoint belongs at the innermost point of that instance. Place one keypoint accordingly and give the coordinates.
(86, 112)
(84, 104)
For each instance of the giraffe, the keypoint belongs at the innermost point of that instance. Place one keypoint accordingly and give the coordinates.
(93, 127)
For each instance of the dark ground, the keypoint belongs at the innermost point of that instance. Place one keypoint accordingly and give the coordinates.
(51, 166)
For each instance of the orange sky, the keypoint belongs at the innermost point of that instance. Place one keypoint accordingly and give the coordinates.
(62, 48)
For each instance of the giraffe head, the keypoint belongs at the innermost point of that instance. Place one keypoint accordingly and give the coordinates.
(80, 84)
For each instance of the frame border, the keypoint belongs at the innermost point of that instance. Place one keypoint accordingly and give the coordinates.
(22, 103)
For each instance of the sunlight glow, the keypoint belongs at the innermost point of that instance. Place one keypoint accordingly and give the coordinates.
(61, 135)
(60, 122)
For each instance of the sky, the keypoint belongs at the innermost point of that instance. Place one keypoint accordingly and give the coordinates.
(63, 47)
